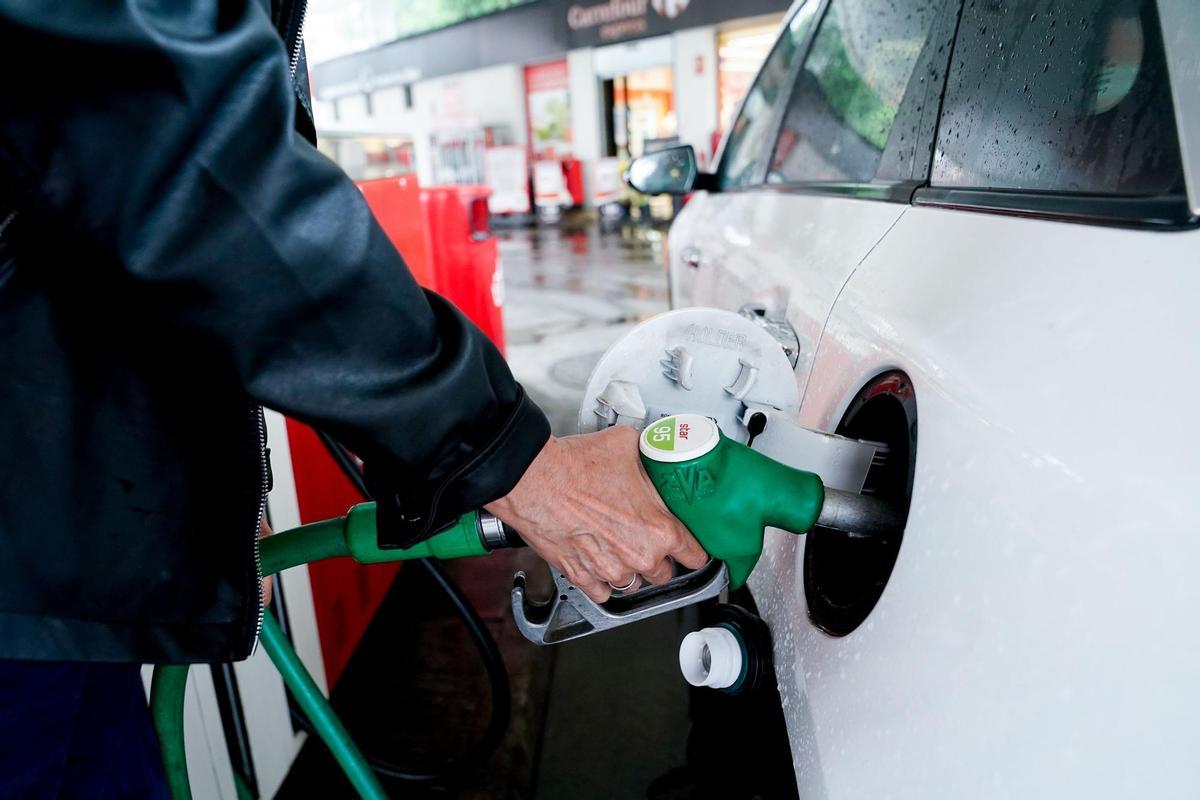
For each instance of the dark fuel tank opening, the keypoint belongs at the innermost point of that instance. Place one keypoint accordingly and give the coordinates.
(847, 565)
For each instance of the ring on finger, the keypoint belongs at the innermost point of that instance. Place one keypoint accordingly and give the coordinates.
(627, 586)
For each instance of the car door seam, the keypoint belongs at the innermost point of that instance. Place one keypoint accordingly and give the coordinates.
(838, 296)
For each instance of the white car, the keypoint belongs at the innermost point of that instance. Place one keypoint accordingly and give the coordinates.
(973, 226)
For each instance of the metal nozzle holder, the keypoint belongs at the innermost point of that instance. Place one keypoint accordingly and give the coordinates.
(570, 614)
(495, 535)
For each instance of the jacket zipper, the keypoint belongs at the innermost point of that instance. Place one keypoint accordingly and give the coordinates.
(4, 223)
(291, 27)
(295, 35)
(261, 426)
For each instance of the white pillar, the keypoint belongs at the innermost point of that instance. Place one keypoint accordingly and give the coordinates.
(695, 56)
(587, 140)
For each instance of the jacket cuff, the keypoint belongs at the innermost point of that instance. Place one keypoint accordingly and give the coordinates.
(407, 515)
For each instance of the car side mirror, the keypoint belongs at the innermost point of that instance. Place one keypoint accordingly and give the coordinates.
(672, 170)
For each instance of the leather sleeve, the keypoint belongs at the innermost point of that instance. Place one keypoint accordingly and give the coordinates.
(159, 136)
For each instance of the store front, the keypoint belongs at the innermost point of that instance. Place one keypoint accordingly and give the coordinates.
(644, 101)
(637, 85)
(579, 86)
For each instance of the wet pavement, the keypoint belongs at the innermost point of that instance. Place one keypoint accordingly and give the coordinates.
(570, 293)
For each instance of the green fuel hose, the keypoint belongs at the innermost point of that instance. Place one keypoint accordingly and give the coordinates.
(166, 702)
(352, 535)
(166, 707)
(308, 695)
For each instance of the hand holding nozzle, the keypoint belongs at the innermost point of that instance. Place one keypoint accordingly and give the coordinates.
(587, 507)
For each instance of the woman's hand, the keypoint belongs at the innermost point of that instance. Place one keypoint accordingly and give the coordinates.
(586, 506)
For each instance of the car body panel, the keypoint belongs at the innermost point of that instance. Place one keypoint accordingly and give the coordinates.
(752, 244)
(1037, 636)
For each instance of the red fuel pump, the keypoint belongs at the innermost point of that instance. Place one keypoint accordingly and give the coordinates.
(466, 262)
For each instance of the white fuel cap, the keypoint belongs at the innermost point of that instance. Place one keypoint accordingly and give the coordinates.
(697, 360)
(711, 657)
(679, 438)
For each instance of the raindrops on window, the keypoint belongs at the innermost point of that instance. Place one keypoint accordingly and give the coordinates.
(1084, 107)
(844, 120)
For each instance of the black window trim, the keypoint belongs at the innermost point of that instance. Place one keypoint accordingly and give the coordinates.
(1161, 212)
(885, 191)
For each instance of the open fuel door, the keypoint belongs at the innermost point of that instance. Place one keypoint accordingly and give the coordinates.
(724, 366)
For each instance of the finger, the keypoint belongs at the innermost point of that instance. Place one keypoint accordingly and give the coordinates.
(603, 564)
(660, 574)
(689, 552)
(598, 590)
(627, 586)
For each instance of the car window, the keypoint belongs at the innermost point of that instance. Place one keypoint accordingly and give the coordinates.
(841, 113)
(750, 138)
(1044, 96)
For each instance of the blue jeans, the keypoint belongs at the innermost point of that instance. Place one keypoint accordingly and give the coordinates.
(70, 731)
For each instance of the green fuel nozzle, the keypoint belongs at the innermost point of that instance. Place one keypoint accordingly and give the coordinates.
(727, 495)
(724, 492)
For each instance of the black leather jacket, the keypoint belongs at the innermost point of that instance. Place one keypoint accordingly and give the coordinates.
(179, 254)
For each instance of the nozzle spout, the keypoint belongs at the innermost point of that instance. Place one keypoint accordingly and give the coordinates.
(859, 515)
